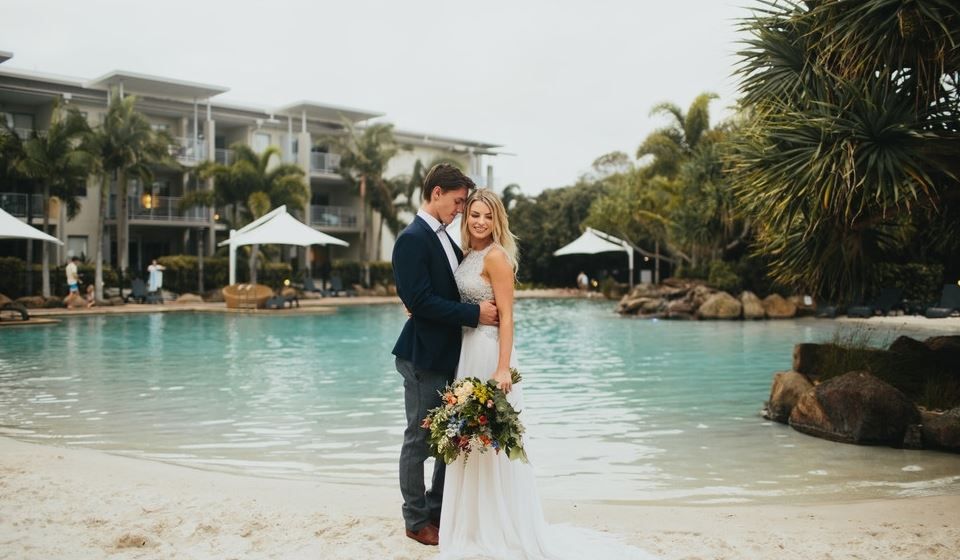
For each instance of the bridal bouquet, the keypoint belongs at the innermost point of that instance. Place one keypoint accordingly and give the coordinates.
(475, 416)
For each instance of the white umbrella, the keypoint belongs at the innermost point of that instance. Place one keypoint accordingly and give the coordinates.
(275, 227)
(11, 227)
(592, 242)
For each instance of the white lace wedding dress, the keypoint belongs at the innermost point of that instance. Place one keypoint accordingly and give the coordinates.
(491, 508)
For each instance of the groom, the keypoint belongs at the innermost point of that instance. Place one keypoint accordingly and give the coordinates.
(424, 258)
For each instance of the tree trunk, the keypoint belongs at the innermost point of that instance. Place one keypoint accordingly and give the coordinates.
(253, 262)
(98, 237)
(62, 232)
(656, 263)
(29, 284)
(200, 262)
(44, 251)
(123, 254)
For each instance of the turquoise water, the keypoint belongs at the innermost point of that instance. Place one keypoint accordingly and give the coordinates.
(617, 409)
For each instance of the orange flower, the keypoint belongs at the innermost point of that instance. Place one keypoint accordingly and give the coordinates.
(451, 400)
(426, 423)
(485, 440)
(482, 419)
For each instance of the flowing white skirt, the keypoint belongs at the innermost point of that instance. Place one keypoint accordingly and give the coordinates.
(491, 508)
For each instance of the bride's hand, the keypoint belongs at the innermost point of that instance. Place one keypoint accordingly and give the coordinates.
(504, 380)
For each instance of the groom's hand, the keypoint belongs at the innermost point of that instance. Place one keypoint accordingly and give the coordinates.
(489, 314)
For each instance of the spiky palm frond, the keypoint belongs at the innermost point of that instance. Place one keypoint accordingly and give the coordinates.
(847, 139)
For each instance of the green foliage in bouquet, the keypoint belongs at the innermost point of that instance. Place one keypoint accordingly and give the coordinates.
(475, 416)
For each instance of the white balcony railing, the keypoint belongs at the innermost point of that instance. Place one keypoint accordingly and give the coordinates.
(189, 151)
(223, 156)
(15, 204)
(335, 217)
(321, 162)
(160, 209)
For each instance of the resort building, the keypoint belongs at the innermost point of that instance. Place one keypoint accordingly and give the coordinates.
(205, 129)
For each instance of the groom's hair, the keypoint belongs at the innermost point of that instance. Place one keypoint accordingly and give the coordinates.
(447, 177)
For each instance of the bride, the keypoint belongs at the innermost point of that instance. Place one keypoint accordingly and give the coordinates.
(491, 508)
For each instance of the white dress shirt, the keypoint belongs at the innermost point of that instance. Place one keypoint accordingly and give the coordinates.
(442, 236)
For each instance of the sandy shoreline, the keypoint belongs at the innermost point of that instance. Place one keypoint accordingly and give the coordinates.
(77, 503)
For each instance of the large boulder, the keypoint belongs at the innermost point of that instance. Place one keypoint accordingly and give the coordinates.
(752, 306)
(643, 305)
(699, 294)
(856, 407)
(680, 309)
(720, 305)
(950, 344)
(787, 388)
(942, 431)
(187, 299)
(806, 306)
(32, 302)
(776, 307)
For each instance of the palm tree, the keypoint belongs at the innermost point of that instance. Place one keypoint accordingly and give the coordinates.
(250, 186)
(511, 195)
(670, 145)
(679, 200)
(364, 156)
(853, 115)
(126, 148)
(55, 160)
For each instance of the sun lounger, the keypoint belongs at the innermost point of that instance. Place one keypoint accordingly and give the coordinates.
(138, 291)
(15, 311)
(337, 289)
(310, 286)
(949, 303)
(886, 301)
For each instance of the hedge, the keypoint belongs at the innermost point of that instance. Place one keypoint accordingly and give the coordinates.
(14, 275)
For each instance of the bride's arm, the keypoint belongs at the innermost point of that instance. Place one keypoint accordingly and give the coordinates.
(500, 271)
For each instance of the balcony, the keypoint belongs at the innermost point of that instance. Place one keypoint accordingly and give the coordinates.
(335, 217)
(324, 163)
(154, 209)
(189, 151)
(15, 204)
(223, 156)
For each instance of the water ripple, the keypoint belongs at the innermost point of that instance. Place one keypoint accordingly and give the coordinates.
(617, 409)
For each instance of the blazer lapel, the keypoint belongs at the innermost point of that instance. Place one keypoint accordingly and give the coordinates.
(438, 247)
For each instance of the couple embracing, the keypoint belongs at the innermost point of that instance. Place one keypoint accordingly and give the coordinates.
(460, 301)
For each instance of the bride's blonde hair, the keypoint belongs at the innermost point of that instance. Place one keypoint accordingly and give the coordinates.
(501, 224)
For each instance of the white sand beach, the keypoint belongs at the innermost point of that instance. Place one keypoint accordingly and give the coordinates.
(57, 502)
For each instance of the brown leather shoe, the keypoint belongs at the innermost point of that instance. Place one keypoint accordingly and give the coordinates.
(428, 535)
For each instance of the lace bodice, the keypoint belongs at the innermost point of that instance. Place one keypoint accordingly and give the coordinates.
(473, 288)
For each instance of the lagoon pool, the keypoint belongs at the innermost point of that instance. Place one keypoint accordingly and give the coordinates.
(619, 409)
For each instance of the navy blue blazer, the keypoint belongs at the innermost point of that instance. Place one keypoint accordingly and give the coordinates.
(431, 337)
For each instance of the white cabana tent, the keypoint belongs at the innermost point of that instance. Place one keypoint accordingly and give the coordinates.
(594, 241)
(279, 228)
(11, 227)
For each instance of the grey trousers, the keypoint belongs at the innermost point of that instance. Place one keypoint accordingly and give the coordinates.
(421, 392)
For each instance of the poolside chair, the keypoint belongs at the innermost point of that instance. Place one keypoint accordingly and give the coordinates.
(826, 311)
(949, 303)
(290, 297)
(15, 311)
(310, 286)
(138, 291)
(886, 300)
(337, 289)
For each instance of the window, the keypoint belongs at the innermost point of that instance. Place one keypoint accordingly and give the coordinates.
(261, 141)
(77, 247)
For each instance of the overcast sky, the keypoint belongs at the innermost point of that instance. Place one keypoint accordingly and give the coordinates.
(557, 83)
